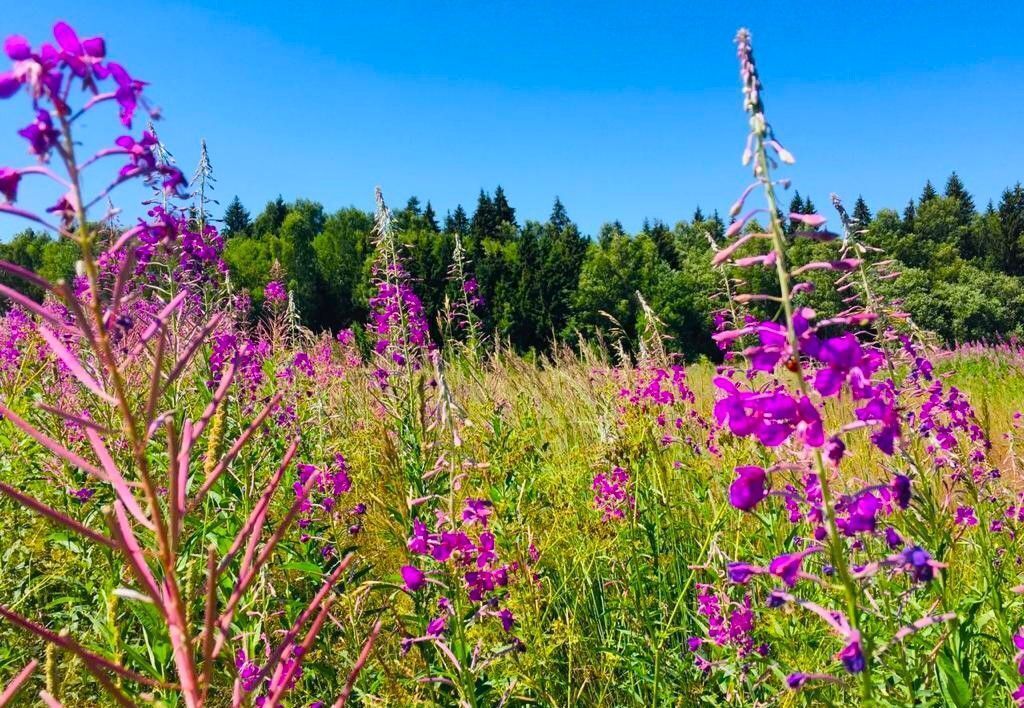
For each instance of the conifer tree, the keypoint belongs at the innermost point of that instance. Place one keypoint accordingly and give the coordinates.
(928, 193)
(485, 222)
(861, 213)
(236, 218)
(457, 222)
(559, 218)
(503, 213)
(955, 190)
(430, 218)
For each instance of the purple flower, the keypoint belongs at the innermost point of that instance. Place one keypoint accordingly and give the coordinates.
(965, 516)
(919, 564)
(742, 572)
(248, 671)
(40, 134)
(845, 361)
(9, 180)
(274, 291)
(796, 680)
(852, 656)
(883, 414)
(80, 55)
(508, 620)
(437, 626)
(787, 567)
(893, 538)
(127, 94)
(412, 578)
(476, 511)
(747, 490)
(901, 490)
(140, 153)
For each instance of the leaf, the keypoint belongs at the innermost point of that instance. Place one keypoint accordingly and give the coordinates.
(955, 688)
(306, 567)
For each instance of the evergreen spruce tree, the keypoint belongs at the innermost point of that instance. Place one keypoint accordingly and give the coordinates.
(430, 218)
(1008, 256)
(698, 215)
(861, 213)
(236, 219)
(928, 193)
(485, 221)
(457, 222)
(955, 190)
(559, 219)
(503, 213)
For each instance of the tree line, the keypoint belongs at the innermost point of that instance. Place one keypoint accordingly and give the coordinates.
(546, 282)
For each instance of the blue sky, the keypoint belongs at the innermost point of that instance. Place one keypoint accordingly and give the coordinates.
(624, 110)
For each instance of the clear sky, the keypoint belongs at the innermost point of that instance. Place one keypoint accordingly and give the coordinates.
(625, 110)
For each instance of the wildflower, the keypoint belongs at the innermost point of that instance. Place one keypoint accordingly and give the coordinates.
(508, 620)
(878, 411)
(862, 512)
(9, 180)
(893, 538)
(81, 56)
(140, 153)
(747, 490)
(437, 626)
(127, 94)
(40, 134)
(476, 511)
(274, 292)
(742, 572)
(901, 490)
(852, 656)
(796, 680)
(919, 564)
(612, 497)
(412, 578)
(248, 671)
(965, 516)
(788, 566)
(845, 362)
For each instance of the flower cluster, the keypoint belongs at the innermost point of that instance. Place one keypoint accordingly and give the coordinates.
(611, 494)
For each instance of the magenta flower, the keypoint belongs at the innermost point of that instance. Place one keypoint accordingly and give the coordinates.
(437, 626)
(412, 578)
(80, 55)
(787, 567)
(747, 490)
(274, 291)
(140, 153)
(965, 516)
(40, 134)
(901, 490)
(845, 361)
(741, 573)
(127, 94)
(476, 511)
(9, 180)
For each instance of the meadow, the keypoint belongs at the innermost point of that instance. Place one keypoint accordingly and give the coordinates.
(202, 502)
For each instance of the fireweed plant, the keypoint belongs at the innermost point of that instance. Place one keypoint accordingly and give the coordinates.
(845, 560)
(122, 341)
